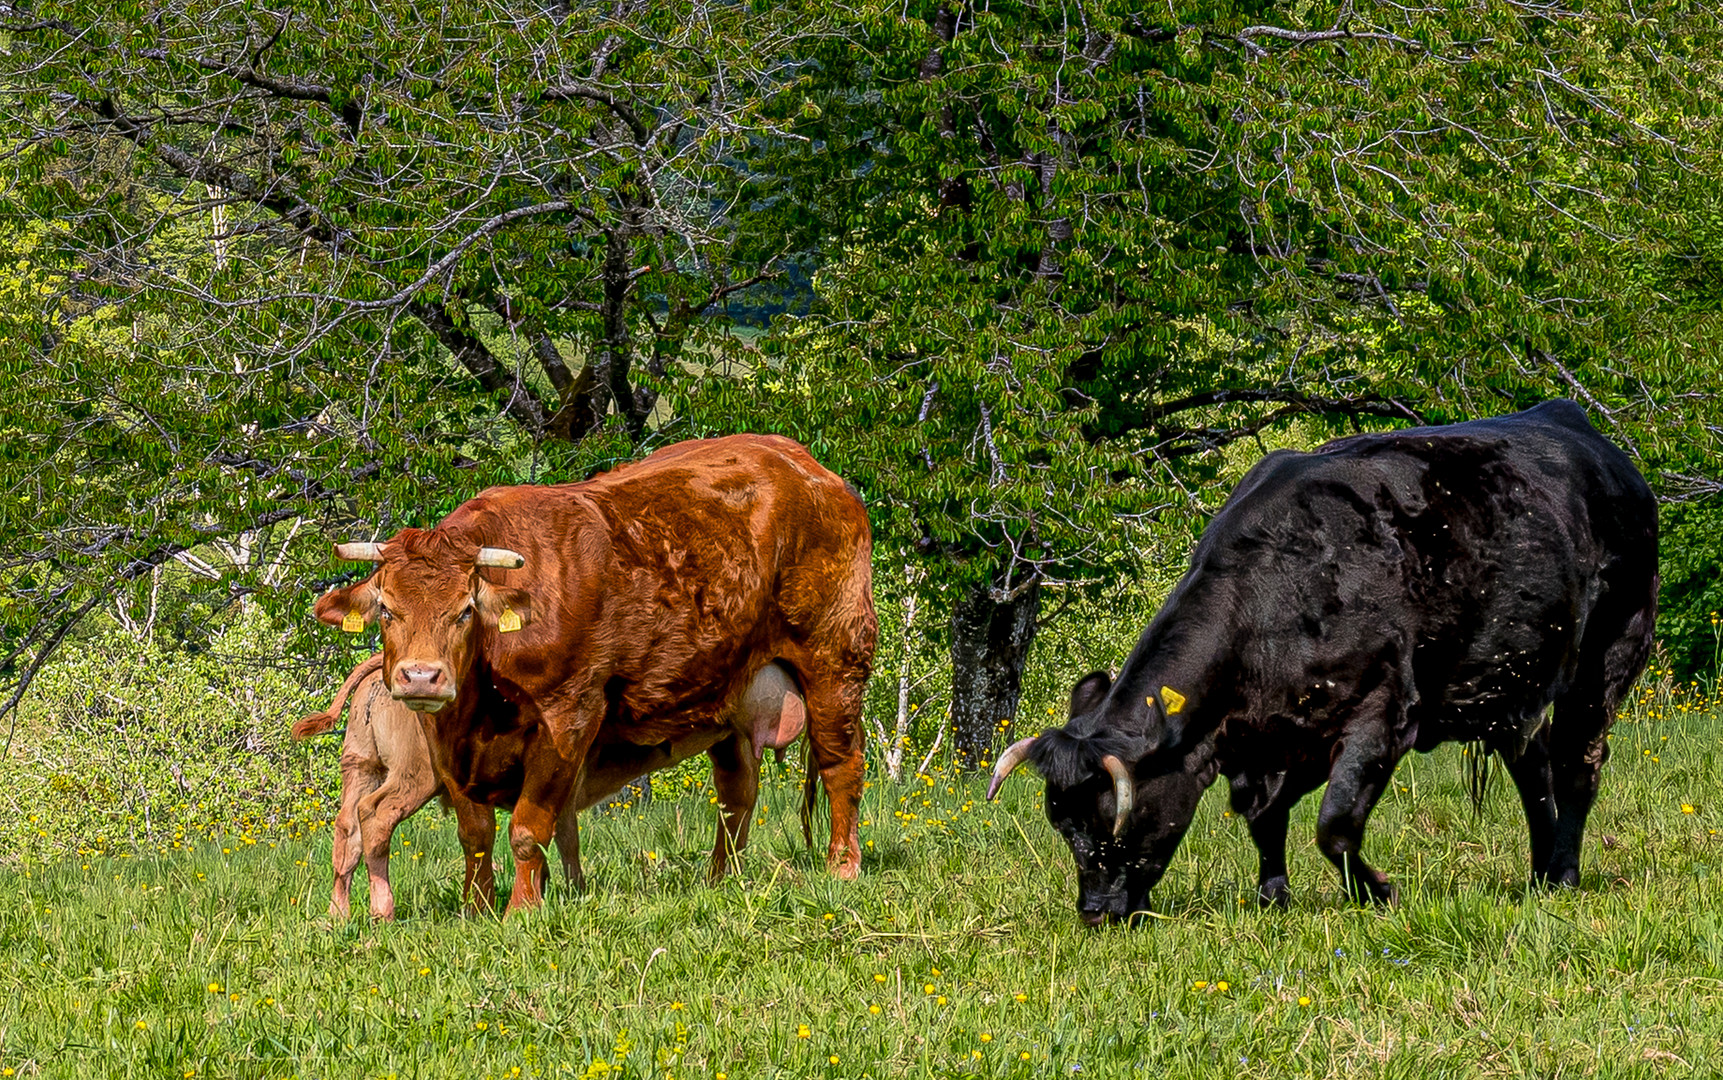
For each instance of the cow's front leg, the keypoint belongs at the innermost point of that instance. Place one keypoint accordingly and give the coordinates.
(477, 827)
(568, 846)
(547, 789)
(1357, 779)
(1268, 832)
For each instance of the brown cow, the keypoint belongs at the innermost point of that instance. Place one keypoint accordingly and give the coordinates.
(636, 604)
(387, 775)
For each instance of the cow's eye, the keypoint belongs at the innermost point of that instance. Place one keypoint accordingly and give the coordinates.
(465, 617)
(386, 615)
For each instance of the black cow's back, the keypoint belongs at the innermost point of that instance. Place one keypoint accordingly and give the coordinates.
(1488, 567)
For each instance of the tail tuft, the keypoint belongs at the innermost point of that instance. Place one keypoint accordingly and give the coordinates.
(318, 723)
(1477, 774)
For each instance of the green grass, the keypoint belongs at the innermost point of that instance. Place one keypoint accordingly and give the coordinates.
(222, 963)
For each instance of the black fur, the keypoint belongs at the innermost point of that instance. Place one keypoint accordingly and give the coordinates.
(1385, 593)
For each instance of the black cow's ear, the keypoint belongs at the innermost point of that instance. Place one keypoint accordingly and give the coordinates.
(1089, 692)
(351, 607)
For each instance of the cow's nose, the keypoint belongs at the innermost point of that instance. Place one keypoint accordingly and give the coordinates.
(420, 680)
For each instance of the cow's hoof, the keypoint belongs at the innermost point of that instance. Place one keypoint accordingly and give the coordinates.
(1275, 893)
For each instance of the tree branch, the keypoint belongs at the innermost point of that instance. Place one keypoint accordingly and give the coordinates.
(523, 402)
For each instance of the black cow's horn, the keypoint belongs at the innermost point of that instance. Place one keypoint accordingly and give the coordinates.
(1122, 787)
(503, 557)
(1014, 755)
(360, 551)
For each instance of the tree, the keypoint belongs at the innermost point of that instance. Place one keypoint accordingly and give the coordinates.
(349, 267)
(1079, 254)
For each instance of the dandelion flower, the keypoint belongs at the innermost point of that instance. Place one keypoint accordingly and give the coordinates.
(1022, 997)
(833, 1059)
(1687, 808)
(878, 978)
(1304, 1001)
(986, 1037)
(1222, 987)
(873, 1010)
(1200, 984)
(215, 988)
(802, 1031)
(1024, 1055)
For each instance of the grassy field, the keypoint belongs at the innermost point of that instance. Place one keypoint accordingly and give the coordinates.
(957, 954)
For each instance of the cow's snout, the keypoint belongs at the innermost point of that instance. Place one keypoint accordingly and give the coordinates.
(422, 686)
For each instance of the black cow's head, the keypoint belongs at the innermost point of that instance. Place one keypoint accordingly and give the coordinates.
(1121, 806)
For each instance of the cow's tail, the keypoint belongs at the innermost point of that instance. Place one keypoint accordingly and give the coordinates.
(320, 722)
(810, 794)
(1477, 754)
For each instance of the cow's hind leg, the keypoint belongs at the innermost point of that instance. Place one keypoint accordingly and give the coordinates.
(736, 776)
(1531, 773)
(1577, 751)
(1361, 771)
(834, 703)
(358, 780)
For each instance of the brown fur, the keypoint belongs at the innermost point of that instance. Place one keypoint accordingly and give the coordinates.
(387, 775)
(652, 597)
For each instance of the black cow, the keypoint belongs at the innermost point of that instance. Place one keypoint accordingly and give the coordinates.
(1384, 593)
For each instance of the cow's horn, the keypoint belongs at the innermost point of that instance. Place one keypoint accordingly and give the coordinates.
(1122, 787)
(503, 557)
(360, 551)
(1014, 755)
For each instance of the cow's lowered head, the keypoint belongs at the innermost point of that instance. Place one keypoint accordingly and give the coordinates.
(1117, 793)
(432, 603)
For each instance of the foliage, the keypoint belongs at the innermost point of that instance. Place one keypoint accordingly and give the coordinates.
(131, 744)
(346, 268)
(1469, 975)
(1071, 261)
(1691, 606)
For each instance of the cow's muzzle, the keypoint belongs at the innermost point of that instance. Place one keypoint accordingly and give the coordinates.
(422, 687)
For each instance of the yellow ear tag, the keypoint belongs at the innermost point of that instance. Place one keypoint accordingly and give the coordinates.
(509, 621)
(353, 623)
(1175, 700)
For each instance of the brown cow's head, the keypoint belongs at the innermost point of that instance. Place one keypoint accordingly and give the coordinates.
(434, 606)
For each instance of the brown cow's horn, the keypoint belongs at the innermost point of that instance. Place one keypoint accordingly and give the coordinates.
(503, 557)
(1014, 755)
(1121, 792)
(360, 551)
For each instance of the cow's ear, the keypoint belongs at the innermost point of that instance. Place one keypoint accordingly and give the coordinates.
(1089, 692)
(502, 608)
(338, 606)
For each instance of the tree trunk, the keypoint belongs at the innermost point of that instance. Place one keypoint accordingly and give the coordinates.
(990, 637)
